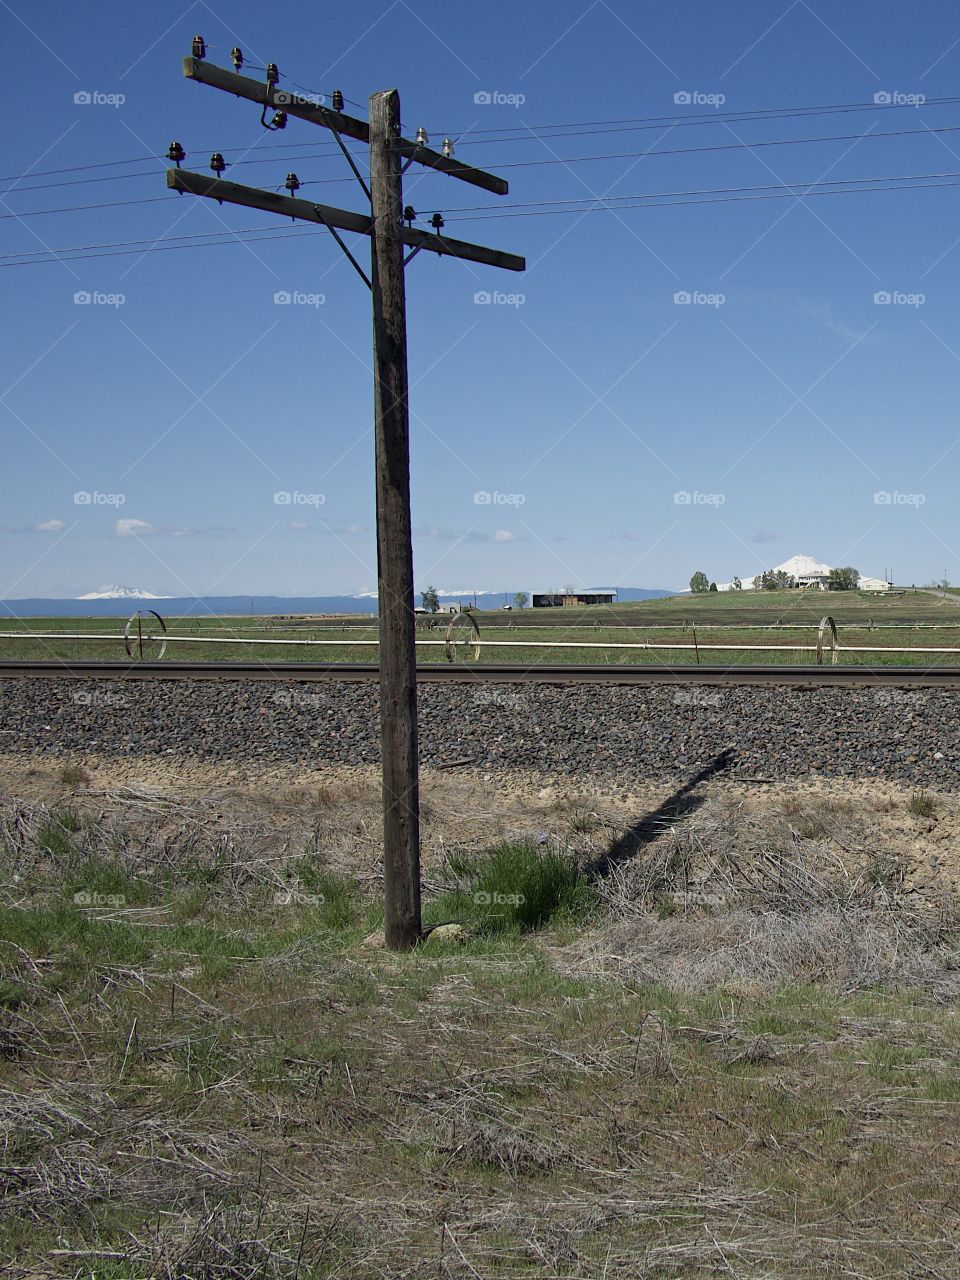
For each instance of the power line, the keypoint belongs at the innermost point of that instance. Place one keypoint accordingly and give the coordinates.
(793, 187)
(146, 173)
(758, 115)
(79, 208)
(479, 137)
(673, 151)
(730, 146)
(159, 248)
(731, 199)
(151, 240)
(721, 195)
(519, 164)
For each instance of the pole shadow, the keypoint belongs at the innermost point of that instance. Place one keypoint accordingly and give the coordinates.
(674, 809)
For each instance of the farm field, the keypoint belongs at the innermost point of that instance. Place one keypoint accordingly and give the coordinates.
(717, 1038)
(784, 626)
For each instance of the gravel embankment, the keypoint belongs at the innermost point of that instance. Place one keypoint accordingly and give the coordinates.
(642, 733)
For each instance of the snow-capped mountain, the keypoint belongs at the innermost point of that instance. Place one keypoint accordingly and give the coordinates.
(805, 571)
(804, 567)
(121, 593)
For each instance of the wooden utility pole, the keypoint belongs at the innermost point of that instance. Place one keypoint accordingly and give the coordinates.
(388, 235)
(398, 662)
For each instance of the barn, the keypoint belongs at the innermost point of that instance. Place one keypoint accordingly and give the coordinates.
(558, 599)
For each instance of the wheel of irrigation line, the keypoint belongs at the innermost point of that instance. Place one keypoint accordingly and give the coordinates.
(834, 642)
(462, 638)
(134, 637)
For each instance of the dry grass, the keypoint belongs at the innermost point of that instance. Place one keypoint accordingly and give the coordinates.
(922, 805)
(796, 896)
(747, 1066)
(73, 775)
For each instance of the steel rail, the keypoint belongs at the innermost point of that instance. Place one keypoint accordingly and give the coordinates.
(810, 677)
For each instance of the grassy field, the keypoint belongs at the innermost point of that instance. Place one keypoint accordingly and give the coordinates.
(695, 1045)
(914, 619)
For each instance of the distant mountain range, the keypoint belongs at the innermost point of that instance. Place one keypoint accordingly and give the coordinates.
(120, 602)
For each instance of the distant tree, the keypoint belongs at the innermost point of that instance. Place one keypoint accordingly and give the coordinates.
(430, 599)
(736, 585)
(846, 579)
(767, 581)
(699, 583)
(569, 589)
(783, 581)
(713, 586)
(521, 599)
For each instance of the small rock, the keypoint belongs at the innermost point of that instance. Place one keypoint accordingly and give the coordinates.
(448, 933)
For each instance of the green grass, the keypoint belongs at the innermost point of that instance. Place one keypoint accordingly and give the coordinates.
(56, 834)
(516, 887)
(212, 1080)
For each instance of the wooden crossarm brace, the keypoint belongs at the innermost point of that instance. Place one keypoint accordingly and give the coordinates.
(349, 126)
(198, 184)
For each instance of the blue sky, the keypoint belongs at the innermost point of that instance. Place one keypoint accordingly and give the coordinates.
(796, 412)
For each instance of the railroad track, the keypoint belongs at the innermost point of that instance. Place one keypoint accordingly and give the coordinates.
(797, 677)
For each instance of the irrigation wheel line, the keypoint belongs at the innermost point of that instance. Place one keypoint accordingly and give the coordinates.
(456, 644)
(474, 643)
(463, 642)
(834, 641)
(138, 619)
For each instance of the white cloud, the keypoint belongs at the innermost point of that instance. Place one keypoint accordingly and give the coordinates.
(48, 526)
(132, 528)
(433, 534)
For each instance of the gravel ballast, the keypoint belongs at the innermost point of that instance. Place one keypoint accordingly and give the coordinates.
(623, 731)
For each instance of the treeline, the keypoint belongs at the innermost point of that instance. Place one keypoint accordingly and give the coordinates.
(846, 579)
